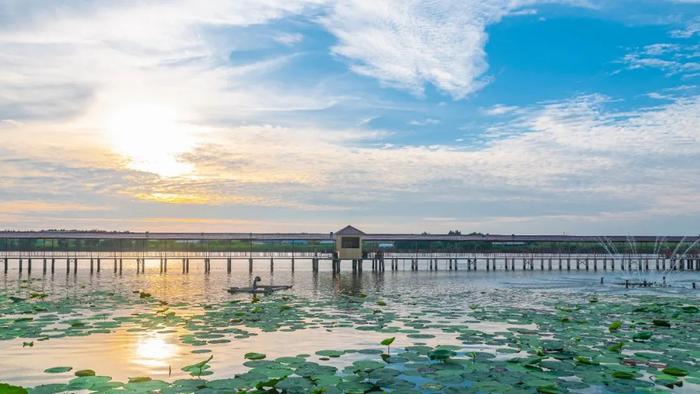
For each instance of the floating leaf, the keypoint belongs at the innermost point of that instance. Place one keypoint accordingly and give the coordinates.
(661, 323)
(85, 372)
(254, 356)
(9, 389)
(614, 326)
(623, 375)
(330, 353)
(642, 335)
(139, 379)
(675, 371)
(58, 369)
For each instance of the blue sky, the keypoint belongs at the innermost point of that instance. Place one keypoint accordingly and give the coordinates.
(525, 116)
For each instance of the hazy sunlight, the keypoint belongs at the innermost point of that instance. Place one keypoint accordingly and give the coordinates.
(151, 137)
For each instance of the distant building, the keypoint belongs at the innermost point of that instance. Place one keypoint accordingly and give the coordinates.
(348, 243)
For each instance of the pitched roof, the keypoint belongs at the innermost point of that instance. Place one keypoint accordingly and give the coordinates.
(349, 230)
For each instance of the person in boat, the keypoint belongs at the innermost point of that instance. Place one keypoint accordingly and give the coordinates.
(255, 283)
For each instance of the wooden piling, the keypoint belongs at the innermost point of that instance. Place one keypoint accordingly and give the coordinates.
(20, 265)
(250, 264)
(53, 266)
(228, 265)
(272, 264)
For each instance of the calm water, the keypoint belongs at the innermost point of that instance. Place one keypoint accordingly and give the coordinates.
(132, 350)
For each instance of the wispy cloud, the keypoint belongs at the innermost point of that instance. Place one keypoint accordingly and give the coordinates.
(289, 38)
(672, 59)
(424, 122)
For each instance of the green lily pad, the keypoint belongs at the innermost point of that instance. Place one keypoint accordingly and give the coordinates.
(85, 372)
(58, 369)
(675, 371)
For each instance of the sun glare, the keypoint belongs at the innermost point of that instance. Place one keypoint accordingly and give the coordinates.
(154, 351)
(152, 138)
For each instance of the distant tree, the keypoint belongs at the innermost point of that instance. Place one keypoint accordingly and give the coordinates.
(454, 232)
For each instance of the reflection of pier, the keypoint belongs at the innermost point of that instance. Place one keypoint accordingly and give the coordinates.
(378, 252)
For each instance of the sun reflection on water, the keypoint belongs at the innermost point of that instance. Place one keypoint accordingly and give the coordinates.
(155, 350)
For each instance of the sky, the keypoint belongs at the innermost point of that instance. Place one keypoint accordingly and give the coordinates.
(495, 116)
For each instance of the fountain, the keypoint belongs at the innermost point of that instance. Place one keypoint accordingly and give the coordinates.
(638, 274)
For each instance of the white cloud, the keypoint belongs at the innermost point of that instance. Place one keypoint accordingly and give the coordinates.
(425, 122)
(405, 44)
(691, 29)
(672, 59)
(289, 38)
(500, 109)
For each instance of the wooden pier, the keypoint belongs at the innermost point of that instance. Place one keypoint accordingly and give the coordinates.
(93, 261)
(328, 252)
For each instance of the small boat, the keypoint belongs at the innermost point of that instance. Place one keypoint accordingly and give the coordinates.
(258, 289)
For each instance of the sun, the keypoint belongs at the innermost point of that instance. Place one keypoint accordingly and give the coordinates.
(151, 137)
